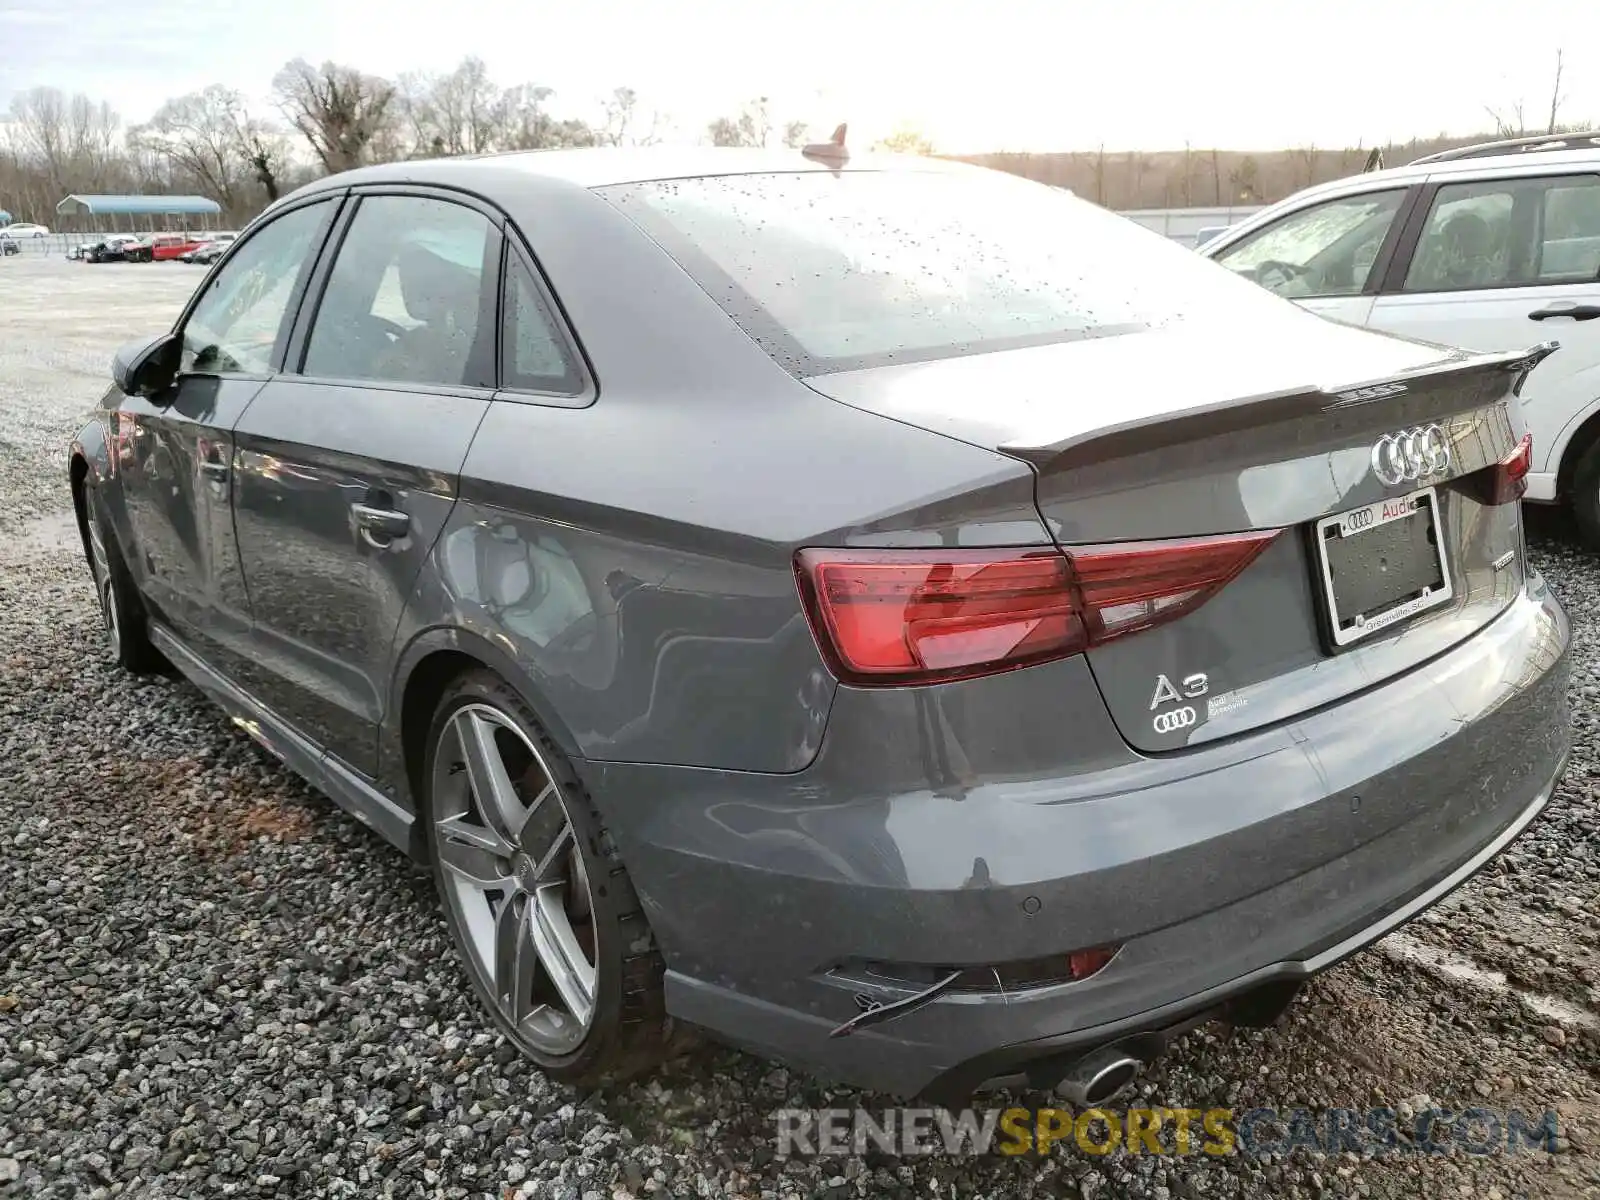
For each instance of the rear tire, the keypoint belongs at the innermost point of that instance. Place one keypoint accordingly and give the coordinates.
(1586, 496)
(122, 612)
(535, 896)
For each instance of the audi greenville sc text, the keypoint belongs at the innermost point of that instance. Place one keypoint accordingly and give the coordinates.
(895, 616)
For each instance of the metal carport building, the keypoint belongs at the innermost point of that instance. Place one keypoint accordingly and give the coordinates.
(110, 213)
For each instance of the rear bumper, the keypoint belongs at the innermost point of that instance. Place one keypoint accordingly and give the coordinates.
(1156, 1025)
(968, 825)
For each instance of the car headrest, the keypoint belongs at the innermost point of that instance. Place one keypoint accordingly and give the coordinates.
(1468, 233)
(433, 287)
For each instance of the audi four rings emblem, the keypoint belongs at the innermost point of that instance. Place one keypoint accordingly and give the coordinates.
(1411, 455)
(1174, 719)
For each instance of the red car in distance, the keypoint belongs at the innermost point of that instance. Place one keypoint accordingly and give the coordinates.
(157, 247)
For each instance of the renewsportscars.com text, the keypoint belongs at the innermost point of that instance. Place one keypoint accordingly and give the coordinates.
(1214, 1132)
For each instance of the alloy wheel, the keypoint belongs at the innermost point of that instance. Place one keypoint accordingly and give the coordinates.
(514, 876)
(101, 565)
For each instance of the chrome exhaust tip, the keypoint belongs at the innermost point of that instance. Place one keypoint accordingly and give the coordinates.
(1098, 1077)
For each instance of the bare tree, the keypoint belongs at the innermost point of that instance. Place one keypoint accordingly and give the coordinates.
(794, 134)
(759, 119)
(1555, 93)
(1511, 121)
(73, 141)
(1246, 180)
(752, 127)
(527, 125)
(623, 124)
(457, 113)
(906, 140)
(1508, 123)
(200, 134)
(93, 136)
(211, 138)
(338, 110)
(724, 131)
(1137, 166)
(40, 119)
(1305, 167)
(265, 153)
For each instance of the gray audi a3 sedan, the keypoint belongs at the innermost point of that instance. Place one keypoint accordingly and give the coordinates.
(894, 616)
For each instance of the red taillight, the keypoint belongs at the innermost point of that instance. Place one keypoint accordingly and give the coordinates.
(1509, 478)
(891, 617)
(1133, 585)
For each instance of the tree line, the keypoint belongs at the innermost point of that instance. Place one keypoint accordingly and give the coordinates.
(1204, 178)
(325, 118)
(333, 117)
(1216, 178)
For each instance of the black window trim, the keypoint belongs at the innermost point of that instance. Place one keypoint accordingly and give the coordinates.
(1386, 248)
(588, 390)
(288, 322)
(311, 301)
(1395, 277)
(1389, 247)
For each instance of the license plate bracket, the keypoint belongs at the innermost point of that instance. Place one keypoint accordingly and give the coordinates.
(1381, 564)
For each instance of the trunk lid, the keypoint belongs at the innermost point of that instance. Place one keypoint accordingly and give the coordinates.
(1199, 429)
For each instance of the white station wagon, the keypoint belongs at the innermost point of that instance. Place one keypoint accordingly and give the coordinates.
(1489, 247)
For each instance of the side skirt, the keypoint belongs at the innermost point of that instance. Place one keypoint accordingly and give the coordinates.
(327, 774)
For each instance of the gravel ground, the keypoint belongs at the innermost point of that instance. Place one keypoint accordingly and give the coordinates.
(214, 983)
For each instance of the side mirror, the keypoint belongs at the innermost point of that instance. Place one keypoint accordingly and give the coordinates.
(148, 367)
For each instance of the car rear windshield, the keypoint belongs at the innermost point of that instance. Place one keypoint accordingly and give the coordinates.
(841, 271)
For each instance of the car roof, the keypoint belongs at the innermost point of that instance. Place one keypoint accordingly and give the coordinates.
(1513, 163)
(595, 167)
(1488, 166)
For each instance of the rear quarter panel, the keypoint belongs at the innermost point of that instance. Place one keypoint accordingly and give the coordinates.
(642, 572)
(634, 558)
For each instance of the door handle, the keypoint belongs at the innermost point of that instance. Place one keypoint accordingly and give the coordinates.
(1578, 312)
(384, 523)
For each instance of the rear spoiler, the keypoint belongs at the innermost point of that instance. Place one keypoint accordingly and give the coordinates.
(1143, 435)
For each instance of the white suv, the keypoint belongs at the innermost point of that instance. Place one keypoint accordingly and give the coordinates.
(1491, 247)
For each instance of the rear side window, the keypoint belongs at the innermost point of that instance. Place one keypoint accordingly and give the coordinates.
(1473, 238)
(407, 297)
(1569, 248)
(1521, 232)
(536, 358)
(833, 271)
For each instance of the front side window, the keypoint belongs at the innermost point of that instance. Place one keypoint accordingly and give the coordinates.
(406, 298)
(835, 271)
(1325, 250)
(240, 318)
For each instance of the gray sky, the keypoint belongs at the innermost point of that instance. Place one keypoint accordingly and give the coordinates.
(989, 75)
